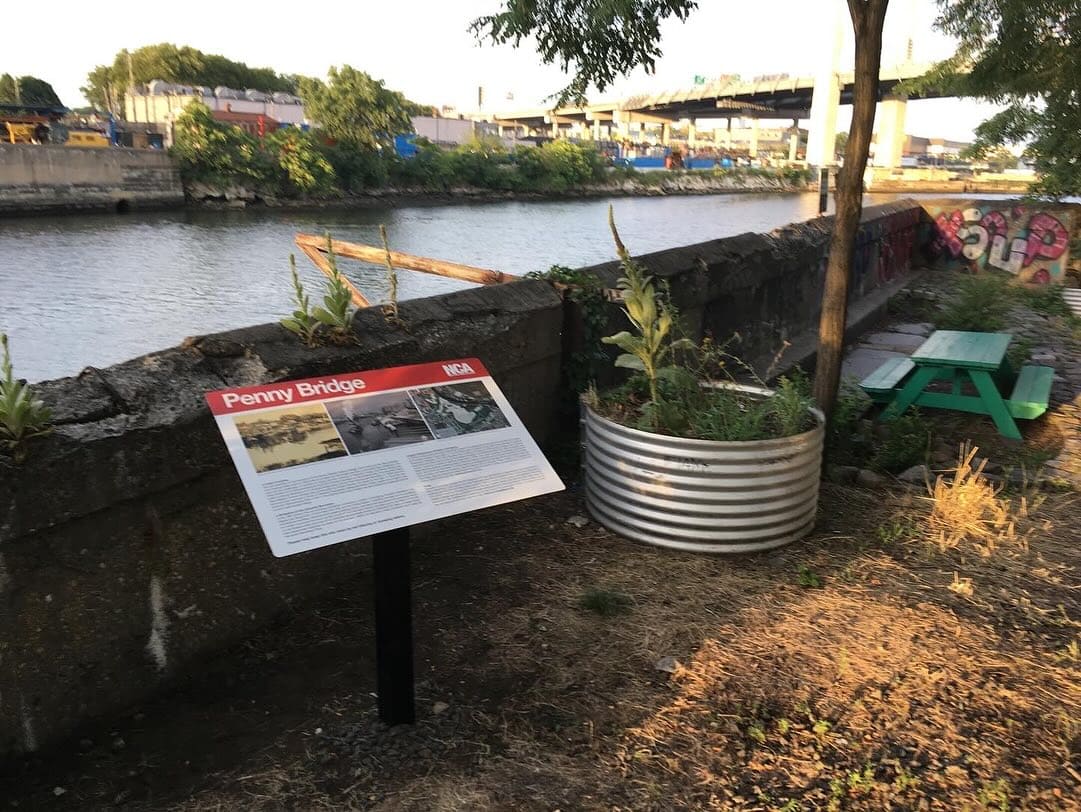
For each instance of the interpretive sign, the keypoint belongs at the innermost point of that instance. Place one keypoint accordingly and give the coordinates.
(326, 460)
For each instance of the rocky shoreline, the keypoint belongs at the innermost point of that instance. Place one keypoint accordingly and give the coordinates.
(205, 195)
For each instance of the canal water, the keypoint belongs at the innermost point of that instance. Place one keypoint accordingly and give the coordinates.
(98, 289)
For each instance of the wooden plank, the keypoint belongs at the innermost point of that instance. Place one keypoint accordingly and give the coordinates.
(316, 256)
(377, 256)
(887, 377)
(1032, 392)
(963, 349)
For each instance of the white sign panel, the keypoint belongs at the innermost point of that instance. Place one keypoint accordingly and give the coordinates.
(330, 459)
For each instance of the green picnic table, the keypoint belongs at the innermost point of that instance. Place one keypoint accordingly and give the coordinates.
(958, 358)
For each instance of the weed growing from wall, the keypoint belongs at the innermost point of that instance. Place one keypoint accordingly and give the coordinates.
(337, 310)
(22, 415)
(390, 309)
(302, 322)
(585, 292)
(334, 318)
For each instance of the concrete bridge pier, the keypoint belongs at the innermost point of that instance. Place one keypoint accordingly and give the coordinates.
(826, 99)
(793, 141)
(890, 138)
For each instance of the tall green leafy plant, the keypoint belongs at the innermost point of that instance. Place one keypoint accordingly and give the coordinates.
(650, 345)
(337, 310)
(302, 322)
(390, 309)
(673, 389)
(22, 415)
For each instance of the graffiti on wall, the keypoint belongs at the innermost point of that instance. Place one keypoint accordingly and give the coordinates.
(1029, 243)
(884, 249)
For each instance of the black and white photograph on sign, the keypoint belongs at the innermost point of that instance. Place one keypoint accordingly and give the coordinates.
(283, 438)
(374, 422)
(459, 408)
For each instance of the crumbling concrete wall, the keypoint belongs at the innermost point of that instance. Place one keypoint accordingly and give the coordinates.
(768, 287)
(128, 549)
(40, 178)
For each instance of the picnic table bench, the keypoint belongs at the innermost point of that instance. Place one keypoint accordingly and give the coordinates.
(961, 358)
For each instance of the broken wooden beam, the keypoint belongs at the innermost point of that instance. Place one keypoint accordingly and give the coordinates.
(311, 244)
(320, 261)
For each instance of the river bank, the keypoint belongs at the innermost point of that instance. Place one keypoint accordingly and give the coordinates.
(205, 195)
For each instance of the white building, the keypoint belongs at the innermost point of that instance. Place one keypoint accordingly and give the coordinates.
(161, 103)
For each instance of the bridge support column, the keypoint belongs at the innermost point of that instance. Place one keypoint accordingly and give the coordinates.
(692, 134)
(890, 141)
(793, 145)
(826, 99)
(666, 134)
(753, 146)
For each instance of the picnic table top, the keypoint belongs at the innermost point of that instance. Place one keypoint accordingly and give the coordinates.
(954, 348)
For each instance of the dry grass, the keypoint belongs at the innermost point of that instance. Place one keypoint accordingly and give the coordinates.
(966, 507)
(900, 676)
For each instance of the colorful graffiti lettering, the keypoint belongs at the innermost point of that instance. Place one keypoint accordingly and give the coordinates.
(1033, 247)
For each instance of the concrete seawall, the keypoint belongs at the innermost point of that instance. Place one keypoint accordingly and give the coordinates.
(42, 179)
(128, 550)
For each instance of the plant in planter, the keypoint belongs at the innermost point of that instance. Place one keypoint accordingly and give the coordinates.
(680, 457)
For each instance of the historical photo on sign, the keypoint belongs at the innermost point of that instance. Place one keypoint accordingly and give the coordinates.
(458, 408)
(375, 422)
(282, 438)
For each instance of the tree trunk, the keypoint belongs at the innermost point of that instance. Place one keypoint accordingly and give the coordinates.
(867, 19)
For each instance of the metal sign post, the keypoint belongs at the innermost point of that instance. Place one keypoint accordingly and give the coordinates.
(393, 627)
(823, 189)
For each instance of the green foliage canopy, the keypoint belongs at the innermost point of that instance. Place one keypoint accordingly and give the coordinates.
(209, 150)
(106, 84)
(298, 156)
(353, 108)
(594, 41)
(1027, 56)
(28, 90)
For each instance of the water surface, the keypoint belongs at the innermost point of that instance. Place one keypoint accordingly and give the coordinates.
(97, 289)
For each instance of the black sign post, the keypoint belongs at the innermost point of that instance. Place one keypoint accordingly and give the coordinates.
(393, 627)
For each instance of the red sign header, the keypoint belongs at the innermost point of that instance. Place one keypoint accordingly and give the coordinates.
(285, 393)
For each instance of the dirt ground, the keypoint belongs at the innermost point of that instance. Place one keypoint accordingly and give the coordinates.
(859, 669)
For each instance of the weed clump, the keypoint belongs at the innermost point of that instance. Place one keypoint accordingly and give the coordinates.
(907, 442)
(606, 602)
(22, 415)
(981, 304)
(335, 315)
(968, 508)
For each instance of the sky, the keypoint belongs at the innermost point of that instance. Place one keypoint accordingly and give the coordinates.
(425, 50)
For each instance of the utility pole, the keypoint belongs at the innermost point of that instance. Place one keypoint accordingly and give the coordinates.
(131, 87)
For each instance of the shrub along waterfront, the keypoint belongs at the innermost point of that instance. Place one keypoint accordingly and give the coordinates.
(293, 164)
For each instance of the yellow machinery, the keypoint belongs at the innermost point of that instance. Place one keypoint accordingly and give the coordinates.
(86, 138)
(18, 133)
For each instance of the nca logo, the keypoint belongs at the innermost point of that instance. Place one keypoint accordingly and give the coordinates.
(458, 369)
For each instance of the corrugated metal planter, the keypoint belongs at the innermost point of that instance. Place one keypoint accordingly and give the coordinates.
(702, 495)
